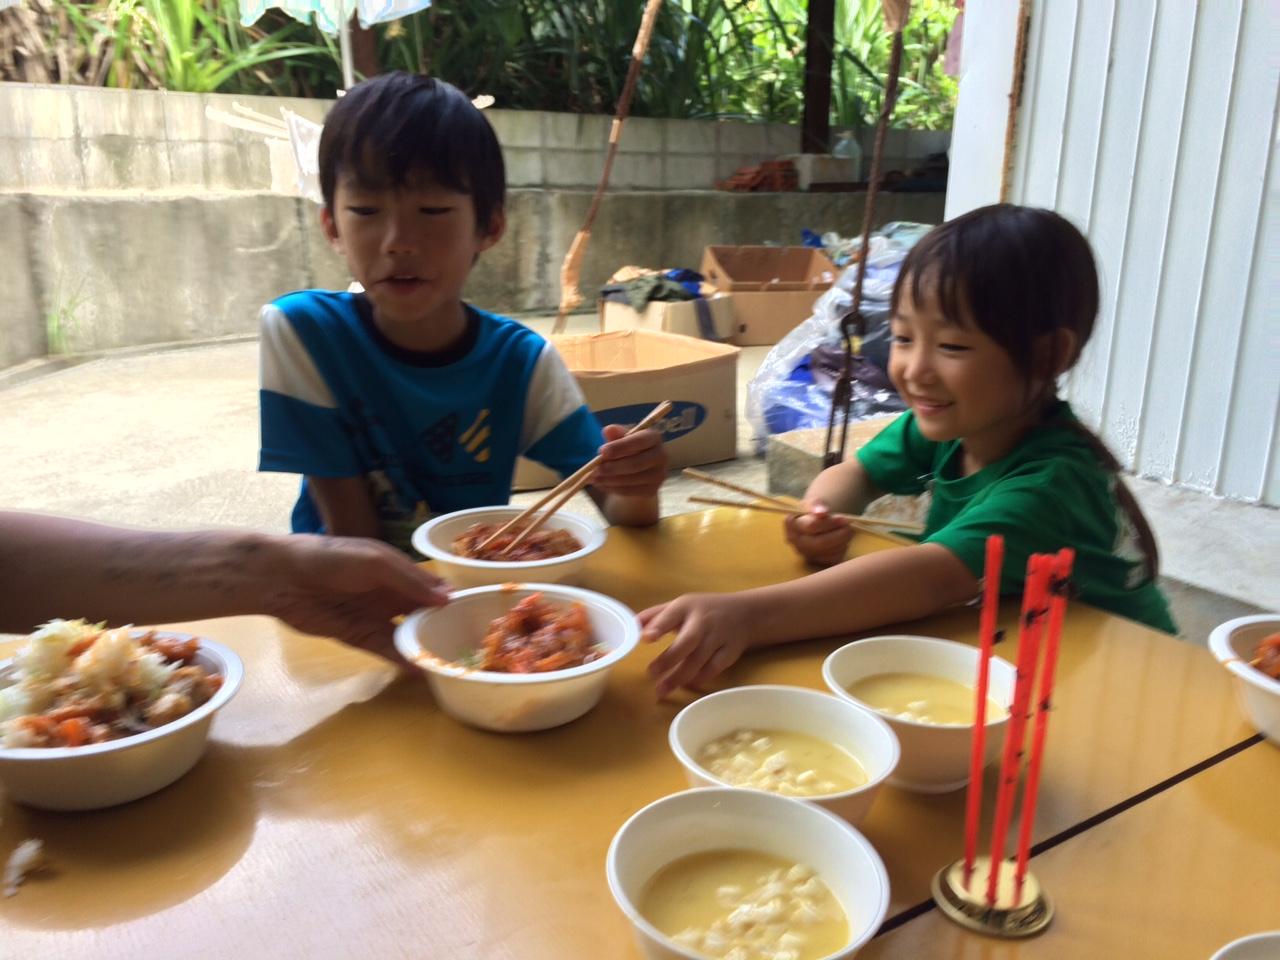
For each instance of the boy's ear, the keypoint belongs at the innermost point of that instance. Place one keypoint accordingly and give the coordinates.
(495, 230)
(330, 228)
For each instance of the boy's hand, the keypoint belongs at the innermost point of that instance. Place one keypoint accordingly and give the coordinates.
(634, 465)
(818, 536)
(712, 631)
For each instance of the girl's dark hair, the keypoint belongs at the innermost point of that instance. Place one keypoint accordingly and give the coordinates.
(395, 127)
(1020, 274)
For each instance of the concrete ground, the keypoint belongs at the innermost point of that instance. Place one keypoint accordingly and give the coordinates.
(169, 438)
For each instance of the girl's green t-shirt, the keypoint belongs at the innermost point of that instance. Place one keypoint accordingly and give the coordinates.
(1050, 492)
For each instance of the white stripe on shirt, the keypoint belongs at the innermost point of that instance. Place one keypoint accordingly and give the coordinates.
(553, 395)
(285, 365)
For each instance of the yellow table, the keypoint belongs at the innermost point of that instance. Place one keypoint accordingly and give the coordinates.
(1175, 878)
(339, 813)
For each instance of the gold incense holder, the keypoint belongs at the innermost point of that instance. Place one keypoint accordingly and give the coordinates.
(1009, 918)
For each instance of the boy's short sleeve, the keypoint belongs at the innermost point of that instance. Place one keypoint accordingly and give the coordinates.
(559, 431)
(302, 429)
(898, 459)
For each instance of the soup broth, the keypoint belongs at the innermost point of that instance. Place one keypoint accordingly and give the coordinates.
(921, 697)
(782, 761)
(746, 905)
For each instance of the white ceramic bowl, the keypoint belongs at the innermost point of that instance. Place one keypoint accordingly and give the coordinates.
(1233, 644)
(434, 540)
(1259, 946)
(860, 731)
(105, 774)
(935, 757)
(510, 702)
(716, 818)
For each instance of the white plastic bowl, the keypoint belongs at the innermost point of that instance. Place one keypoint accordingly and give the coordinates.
(1259, 946)
(1233, 644)
(434, 540)
(860, 731)
(510, 702)
(105, 774)
(935, 757)
(715, 818)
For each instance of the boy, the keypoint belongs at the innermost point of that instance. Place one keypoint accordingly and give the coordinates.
(403, 401)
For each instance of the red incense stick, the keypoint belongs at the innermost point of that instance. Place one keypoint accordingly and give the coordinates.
(1029, 629)
(1057, 610)
(986, 639)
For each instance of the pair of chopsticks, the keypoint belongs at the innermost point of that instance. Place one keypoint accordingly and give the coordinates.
(564, 491)
(790, 506)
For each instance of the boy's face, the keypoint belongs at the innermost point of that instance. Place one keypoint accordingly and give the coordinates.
(411, 248)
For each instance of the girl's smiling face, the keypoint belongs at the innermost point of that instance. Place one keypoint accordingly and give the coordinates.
(959, 382)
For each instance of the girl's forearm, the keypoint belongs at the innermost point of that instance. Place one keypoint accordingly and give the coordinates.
(845, 488)
(54, 567)
(889, 586)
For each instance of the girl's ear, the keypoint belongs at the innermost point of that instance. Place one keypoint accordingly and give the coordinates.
(1056, 353)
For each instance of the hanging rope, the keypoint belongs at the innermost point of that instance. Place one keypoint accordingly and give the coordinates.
(571, 270)
(852, 325)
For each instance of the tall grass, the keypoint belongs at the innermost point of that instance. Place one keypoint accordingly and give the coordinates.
(708, 58)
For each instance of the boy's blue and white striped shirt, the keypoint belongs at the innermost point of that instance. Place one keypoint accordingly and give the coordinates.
(429, 433)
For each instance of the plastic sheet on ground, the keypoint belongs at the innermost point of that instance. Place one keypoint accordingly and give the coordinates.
(793, 387)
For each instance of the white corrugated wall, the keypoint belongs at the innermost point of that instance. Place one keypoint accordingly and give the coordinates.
(1152, 126)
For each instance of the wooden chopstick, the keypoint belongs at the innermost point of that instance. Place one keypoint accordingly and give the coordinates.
(738, 488)
(792, 505)
(546, 515)
(566, 488)
(864, 523)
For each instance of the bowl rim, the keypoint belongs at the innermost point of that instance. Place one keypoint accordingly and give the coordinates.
(711, 793)
(787, 690)
(407, 644)
(1251, 938)
(232, 669)
(421, 540)
(1222, 650)
(844, 694)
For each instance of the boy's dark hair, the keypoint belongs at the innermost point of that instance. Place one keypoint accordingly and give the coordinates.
(1019, 274)
(395, 127)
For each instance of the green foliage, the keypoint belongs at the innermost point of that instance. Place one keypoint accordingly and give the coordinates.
(197, 46)
(708, 58)
(62, 320)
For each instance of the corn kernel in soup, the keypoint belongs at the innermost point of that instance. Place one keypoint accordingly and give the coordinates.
(782, 761)
(745, 905)
(921, 697)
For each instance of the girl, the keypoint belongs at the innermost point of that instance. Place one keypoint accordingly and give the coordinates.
(989, 309)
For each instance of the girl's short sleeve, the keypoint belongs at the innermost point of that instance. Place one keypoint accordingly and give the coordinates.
(898, 459)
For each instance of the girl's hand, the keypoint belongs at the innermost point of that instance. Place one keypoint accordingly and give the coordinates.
(818, 536)
(712, 631)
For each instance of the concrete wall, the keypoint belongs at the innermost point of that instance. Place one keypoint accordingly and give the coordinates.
(131, 217)
(93, 138)
(95, 272)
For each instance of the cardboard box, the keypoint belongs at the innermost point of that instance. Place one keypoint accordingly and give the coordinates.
(772, 288)
(688, 318)
(625, 374)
